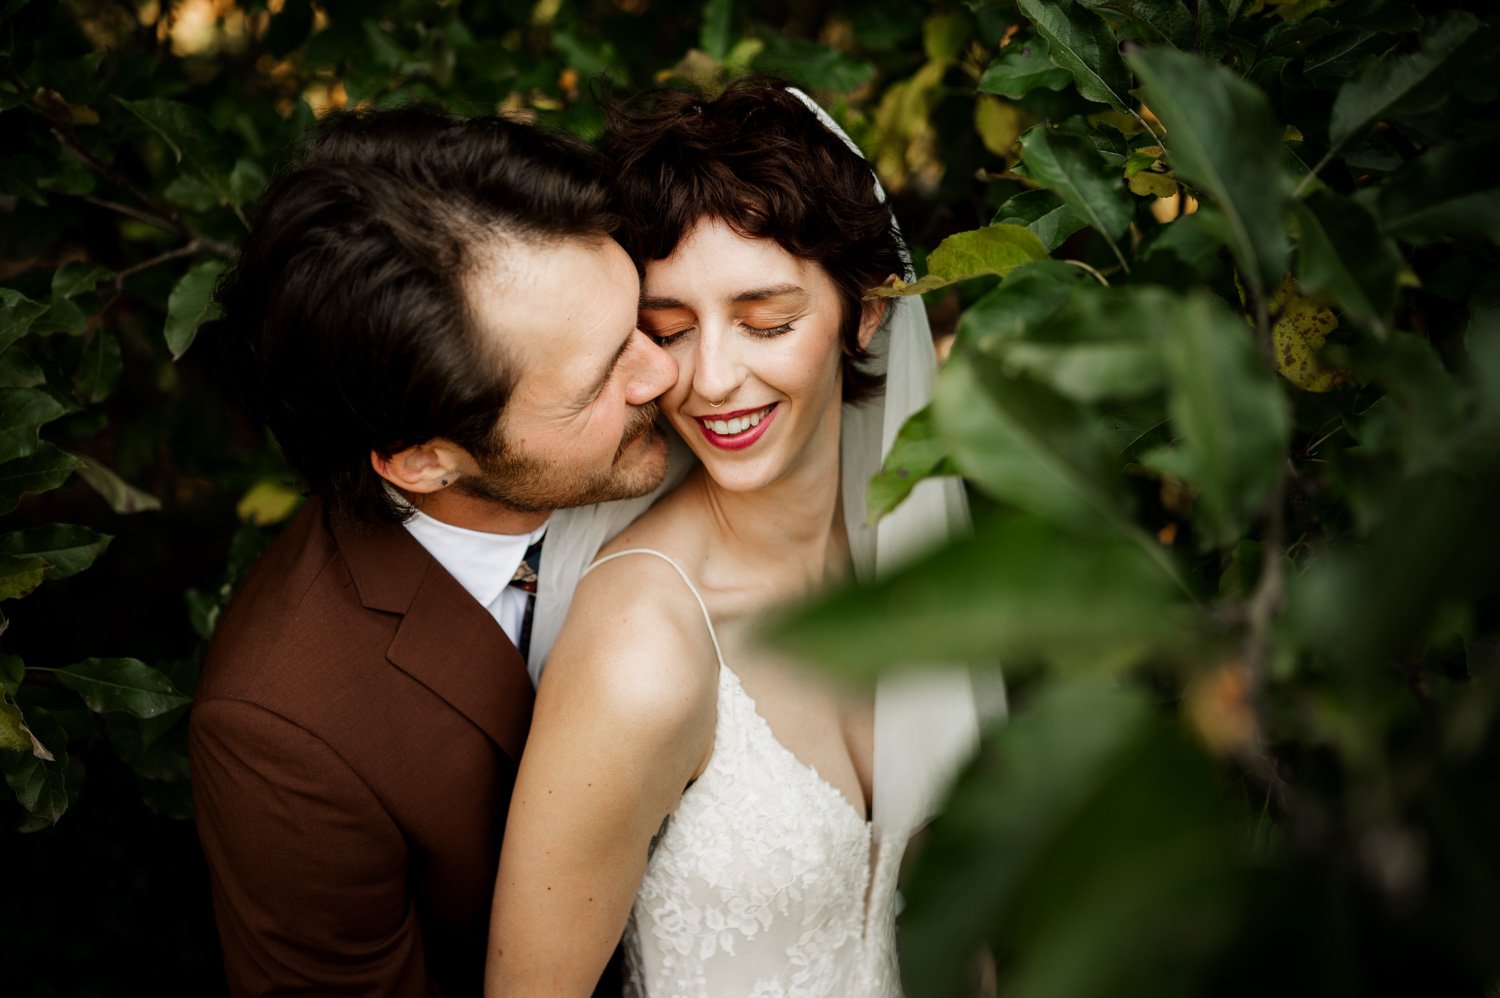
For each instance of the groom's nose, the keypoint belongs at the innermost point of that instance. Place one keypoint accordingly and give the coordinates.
(652, 370)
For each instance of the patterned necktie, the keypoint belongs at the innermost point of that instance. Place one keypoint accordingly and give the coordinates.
(525, 580)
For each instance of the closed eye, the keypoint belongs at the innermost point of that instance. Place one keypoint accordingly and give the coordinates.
(768, 333)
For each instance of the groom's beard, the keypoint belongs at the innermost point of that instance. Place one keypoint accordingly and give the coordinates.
(534, 484)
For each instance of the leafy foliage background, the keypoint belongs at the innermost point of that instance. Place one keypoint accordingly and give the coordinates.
(1216, 279)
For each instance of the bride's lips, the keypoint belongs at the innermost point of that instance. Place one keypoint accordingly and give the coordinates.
(743, 439)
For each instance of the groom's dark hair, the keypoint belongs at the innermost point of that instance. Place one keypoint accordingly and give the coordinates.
(345, 316)
(759, 160)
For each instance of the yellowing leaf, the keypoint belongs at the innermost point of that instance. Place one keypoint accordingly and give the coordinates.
(1299, 335)
(994, 249)
(999, 124)
(268, 502)
(1152, 184)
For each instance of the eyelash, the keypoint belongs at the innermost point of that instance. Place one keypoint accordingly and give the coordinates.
(765, 334)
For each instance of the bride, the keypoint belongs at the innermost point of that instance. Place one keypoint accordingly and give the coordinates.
(738, 815)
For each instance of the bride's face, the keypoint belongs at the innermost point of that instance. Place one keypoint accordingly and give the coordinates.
(755, 333)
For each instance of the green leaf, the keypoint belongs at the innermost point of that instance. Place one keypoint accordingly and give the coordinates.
(1222, 137)
(99, 366)
(1079, 41)
(995, 249)
(1044, 213)
(816, 67)
(1228, 412)
(44, 469)
(121, 684)
(1405, 84)
(66, 549)
(1087, 822)
(1169, 21)
(62, 316)
(120, 494)
(1073, 168)
(1342, 253)
(15, 736)
(192, 138)
(918, 453)
(23, 412)
(19, 370)
(1449, 190)
(191, 304)
(290, 27)
(713, 34)
(17, 314)
(1103, 345)
(1019, 590)
(1021, 443)
(1024, 301)
(1021, 67)
(19, 576)
(78, 278)
(43, 787)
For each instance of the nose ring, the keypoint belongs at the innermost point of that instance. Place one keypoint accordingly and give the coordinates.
(720, 402)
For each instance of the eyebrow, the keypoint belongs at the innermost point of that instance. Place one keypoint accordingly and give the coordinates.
(588, 395)
(655, 302)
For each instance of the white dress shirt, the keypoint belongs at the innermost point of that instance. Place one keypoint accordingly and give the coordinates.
(482, 562)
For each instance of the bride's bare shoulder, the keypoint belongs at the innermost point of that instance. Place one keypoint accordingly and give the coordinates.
(635, 641)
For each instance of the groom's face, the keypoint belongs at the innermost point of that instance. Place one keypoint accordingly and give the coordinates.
(579, 425)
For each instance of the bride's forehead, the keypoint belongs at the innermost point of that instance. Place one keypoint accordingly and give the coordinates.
(713, 252)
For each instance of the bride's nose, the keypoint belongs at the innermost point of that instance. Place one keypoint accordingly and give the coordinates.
(717, 367)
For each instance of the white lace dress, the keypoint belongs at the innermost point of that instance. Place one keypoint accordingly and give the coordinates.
(766, 882)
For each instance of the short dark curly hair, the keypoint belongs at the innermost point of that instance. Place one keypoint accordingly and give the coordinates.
(759, 160)
(345, 317)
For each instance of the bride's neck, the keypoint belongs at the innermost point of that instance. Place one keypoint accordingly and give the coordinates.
(792, 529)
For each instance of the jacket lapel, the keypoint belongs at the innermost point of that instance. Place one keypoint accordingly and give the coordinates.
(446, 641)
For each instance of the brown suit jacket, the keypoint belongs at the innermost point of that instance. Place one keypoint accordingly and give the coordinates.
(354, 743)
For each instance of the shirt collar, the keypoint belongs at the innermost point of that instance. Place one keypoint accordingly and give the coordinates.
(480, 561)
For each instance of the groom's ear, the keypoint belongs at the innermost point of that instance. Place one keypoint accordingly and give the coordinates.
(424, 468)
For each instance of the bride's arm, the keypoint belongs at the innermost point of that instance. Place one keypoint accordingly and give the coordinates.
(623, 721)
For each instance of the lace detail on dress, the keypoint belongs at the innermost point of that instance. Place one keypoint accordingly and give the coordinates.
(761, 884)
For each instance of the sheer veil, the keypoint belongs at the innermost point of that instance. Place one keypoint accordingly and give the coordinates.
(926, 717)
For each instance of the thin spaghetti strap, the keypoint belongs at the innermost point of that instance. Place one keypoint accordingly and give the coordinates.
(714, 637)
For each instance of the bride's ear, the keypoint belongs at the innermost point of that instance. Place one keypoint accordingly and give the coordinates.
(871, 314)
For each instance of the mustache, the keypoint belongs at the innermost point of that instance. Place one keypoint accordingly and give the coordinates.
(642, 422)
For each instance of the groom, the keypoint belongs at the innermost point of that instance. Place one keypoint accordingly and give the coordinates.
(433, 320)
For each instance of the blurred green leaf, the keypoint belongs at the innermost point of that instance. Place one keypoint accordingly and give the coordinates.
(61, 316)
(290, 27)
(1342, 252)
(994, 249)
(1449, 190)
(120, 494)
(191, 304)
(714, 34)
(99, 366)
(66, 549)
(1410, 83)
(1169, 21)
(1223, 137)
(23, 412)
(1079, 41)
(191, 137)
(1229, 413)
(77, 278)
(1021, 67)
(918, 453)
(44, 469)
(1103, 345)
(1044, 213)
(1073, 168)
(20, 575)
(1022, 302)
(1018, 591)
(815, 66)
(1086, 825)
(121, 684)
